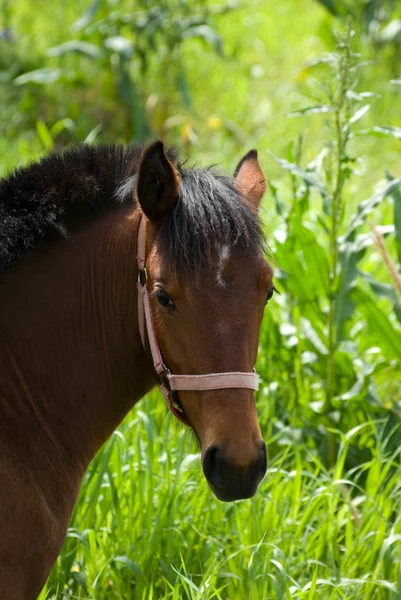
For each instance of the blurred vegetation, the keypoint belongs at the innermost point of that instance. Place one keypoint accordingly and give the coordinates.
(318, 94)
(212, 77)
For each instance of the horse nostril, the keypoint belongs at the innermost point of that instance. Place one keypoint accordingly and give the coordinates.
(212, 466)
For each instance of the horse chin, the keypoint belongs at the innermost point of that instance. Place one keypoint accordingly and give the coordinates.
(231, 494)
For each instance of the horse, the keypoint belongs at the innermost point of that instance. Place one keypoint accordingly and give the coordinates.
(121, 268)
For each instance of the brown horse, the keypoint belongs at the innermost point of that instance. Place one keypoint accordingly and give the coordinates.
(72, 363)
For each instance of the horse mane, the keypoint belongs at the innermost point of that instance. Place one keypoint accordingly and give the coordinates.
(63, 192)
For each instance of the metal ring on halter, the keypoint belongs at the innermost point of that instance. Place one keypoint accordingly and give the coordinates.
(164, 378)
(145, 274)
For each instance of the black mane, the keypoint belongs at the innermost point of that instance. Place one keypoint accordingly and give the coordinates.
(62, 193)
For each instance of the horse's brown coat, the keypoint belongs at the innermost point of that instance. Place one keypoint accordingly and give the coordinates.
(72, 365)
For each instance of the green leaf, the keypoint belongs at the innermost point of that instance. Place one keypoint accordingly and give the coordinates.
(359, 114)
(131, 565)
(207, 34)
(351, 253)
(314, 336)
(92, 135)
(77, 47)
(314, 256)
(359, 389)
(119, 44)
(280, 206)
(39, 76)
(310, 110)
(308, 178)
(382, 290)
(367, 206)
(63, 124)
(391, 33)
(380, 131)
(44, 135)
(303, 261)
(361, 96)
(183, 86)
(293, 275)
(80, 578)
(386, 335)
(344, 308)
(396, 196)
(331, 6)
(87, 17)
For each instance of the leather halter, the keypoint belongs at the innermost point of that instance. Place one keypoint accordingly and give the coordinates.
(169, 383)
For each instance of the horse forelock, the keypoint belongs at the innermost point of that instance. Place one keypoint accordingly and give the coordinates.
(208, 221)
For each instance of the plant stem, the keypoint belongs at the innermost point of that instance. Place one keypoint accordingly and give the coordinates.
(341, 108)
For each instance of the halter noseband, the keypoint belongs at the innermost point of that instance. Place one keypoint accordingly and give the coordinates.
(171, 383)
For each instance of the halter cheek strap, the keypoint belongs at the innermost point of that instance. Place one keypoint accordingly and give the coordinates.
(172, 383)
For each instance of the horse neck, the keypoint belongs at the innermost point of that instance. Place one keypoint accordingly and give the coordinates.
(71, 359)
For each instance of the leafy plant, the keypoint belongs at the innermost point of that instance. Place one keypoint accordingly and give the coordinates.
(125, 55)
(380, 20)
(320, 249)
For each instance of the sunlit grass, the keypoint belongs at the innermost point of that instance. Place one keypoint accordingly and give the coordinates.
(146, 526)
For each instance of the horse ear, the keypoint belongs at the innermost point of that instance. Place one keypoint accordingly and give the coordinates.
(250, 179)
(157, 184)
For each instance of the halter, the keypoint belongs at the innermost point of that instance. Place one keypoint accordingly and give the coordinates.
(169, 384)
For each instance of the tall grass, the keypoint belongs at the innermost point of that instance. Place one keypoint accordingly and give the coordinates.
(146, 525)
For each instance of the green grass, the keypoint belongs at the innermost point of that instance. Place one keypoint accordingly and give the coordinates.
(146, 525)
(325, 522)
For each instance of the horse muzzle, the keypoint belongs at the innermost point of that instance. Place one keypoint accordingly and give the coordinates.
(229, 481)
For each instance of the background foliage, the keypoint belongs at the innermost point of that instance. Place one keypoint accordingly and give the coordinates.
(319, 97)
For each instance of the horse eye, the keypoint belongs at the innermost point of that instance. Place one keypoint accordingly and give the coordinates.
(164, 299)
(270, 294)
